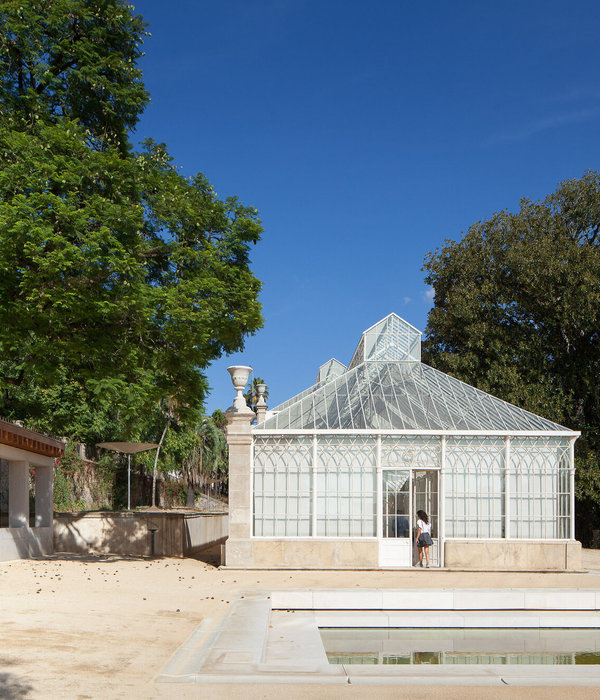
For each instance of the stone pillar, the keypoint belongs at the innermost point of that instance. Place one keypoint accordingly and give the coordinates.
(261, 412)
(44, 507)
(18, 494)
(239, 440)
(261, 406)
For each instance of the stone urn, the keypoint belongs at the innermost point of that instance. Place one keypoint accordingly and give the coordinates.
(239, 378)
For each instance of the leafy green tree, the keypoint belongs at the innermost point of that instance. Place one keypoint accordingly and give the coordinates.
(517, 314)
(218, 418)
(73, 60)
(120, 279)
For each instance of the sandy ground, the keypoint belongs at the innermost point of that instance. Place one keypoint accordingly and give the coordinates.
(103, 627)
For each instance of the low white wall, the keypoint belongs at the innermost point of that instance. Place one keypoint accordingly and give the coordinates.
(24, 542)
(456, 599)
(203, 530)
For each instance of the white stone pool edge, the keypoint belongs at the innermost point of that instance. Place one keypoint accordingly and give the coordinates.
(273, 637)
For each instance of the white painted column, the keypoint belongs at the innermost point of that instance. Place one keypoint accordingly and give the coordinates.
(251, 492)
(442, 501)
(379, 495)
(507, 473)
(18, 494)
(44, 483)
(313, 505)
(572, 486)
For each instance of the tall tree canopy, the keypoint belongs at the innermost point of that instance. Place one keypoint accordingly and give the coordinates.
(120, 279)
(73, 59)
(517, 312)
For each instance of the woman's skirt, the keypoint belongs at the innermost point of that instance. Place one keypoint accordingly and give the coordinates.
(424, 540)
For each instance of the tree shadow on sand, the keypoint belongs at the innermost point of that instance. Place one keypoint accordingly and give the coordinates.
(12, 687)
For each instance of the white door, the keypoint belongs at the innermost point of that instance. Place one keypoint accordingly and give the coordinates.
(425, 497)
(395, 547)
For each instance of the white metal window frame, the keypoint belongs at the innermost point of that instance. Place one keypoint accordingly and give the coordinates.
(442, 434)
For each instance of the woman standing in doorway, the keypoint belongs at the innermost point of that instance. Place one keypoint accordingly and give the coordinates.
(423, 537)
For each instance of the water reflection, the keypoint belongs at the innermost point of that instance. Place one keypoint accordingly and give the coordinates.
(461, 646)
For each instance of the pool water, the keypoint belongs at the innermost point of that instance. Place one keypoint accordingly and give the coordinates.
(461, 646)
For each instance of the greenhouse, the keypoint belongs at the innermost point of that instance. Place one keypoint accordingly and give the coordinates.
(333, 477)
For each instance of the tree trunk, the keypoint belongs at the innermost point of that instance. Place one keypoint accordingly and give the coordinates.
(191, 497)
(162, 437)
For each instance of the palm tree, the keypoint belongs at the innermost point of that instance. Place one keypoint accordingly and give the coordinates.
(252, 394)
(205, 459)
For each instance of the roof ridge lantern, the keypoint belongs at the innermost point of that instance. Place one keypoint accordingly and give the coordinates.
(390, 340)
(330, 370)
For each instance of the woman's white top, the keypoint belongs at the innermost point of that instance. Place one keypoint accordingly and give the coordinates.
(424, 527)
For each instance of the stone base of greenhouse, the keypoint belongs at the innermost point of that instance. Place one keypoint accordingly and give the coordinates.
(489, 555)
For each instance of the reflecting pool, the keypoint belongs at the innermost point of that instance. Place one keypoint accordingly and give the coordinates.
(461, 646)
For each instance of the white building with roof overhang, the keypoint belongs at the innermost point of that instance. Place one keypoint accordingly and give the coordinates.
(26, 491)
(334, 476)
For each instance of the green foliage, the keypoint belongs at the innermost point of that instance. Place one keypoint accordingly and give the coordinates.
(208, 457)
(517, 312)
(80, 484)
(197, 453)
(218, 418)
(73, 59)
(120, 279)
(63, 491)
(251, 394)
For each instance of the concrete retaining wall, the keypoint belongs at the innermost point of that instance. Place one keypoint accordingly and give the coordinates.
(177, 534)
(203, 529)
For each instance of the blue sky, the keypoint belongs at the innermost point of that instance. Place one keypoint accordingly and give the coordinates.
(366, 134)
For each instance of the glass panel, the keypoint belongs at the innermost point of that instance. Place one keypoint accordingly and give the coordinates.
(425, 497)
(390, 339)
(346, 451)
(396, 503)
(330, 370)
(474, 487)
(282, 501)
(540, 488)
(282, 450)
(564, 498)
(410, 452)
(346, 501)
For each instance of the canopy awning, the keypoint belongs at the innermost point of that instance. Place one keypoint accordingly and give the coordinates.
(128, 448)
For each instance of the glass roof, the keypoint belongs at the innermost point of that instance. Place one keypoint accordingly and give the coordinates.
(392, 338)
(382, 392)
(332, 368)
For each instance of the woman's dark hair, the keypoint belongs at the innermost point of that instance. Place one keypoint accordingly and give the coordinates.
(422, 515)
